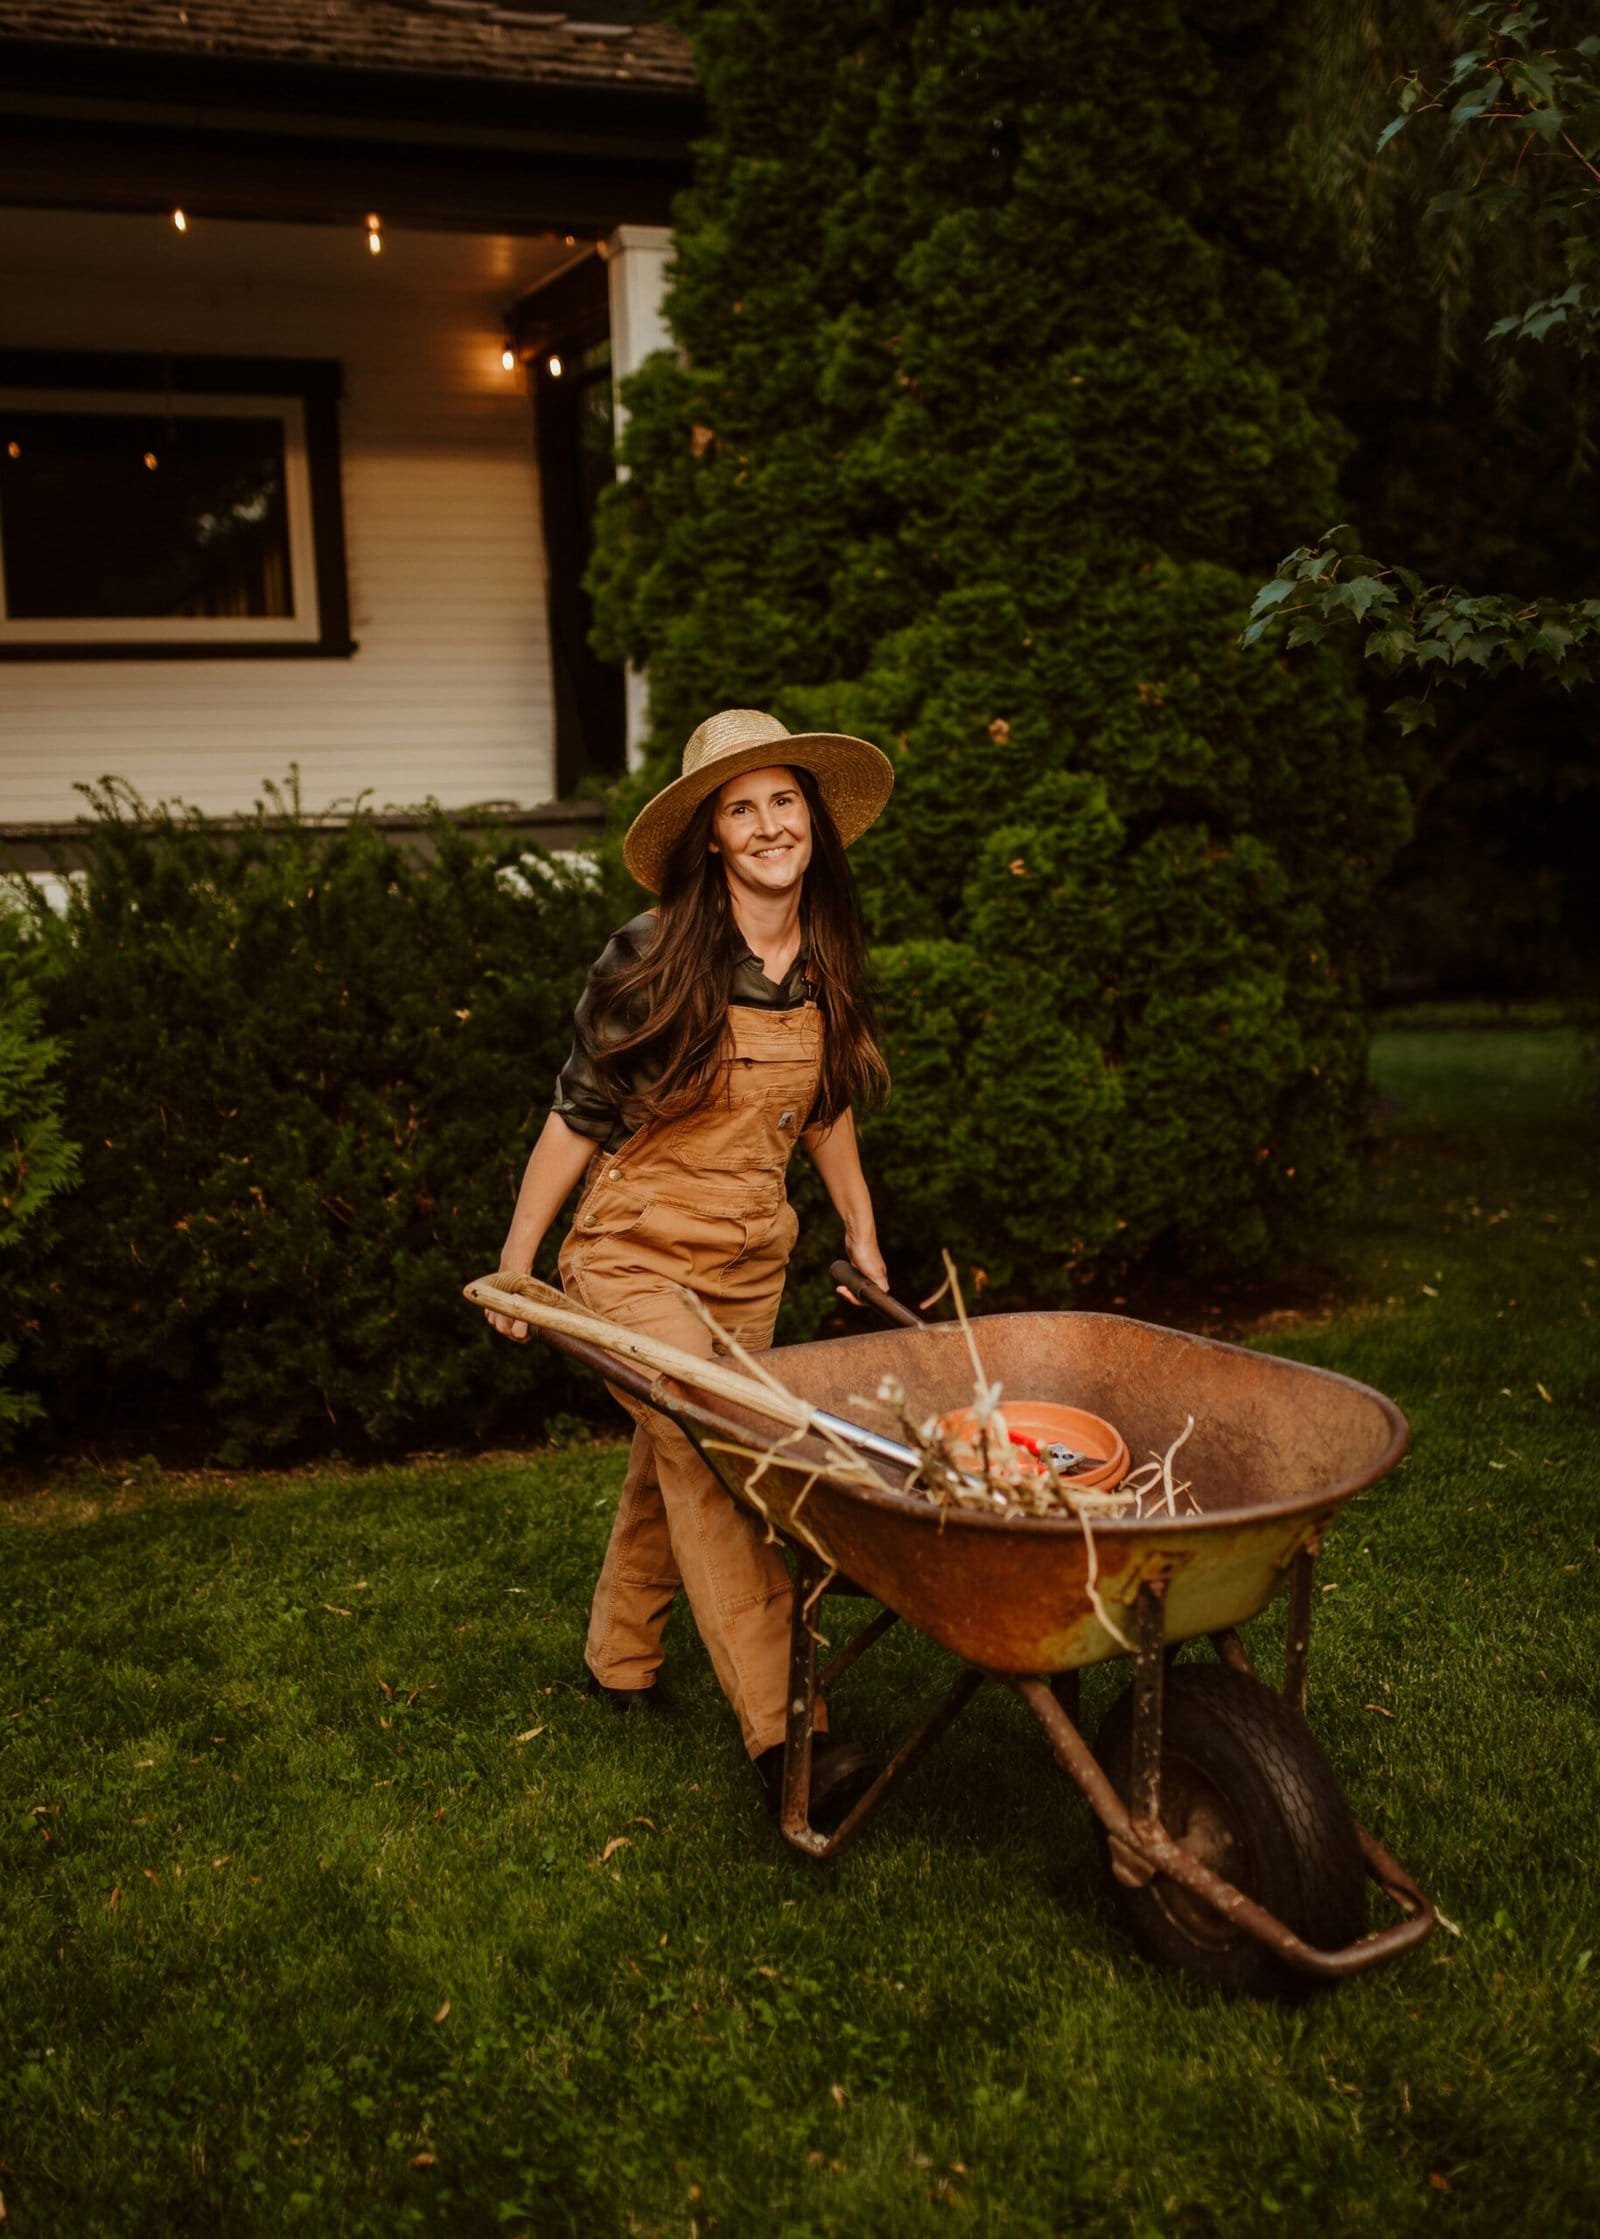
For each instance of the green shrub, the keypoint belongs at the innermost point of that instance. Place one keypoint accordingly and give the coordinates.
(1000, 381)
(307, 1067)
(36, 1161)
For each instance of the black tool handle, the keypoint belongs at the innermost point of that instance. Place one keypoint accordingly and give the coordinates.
(870, 1295)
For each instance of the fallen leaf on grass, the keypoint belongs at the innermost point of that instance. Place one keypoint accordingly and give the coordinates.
(1378, 1707)
(143, 1764)
(1428, 1291)
(1438, 2182)
(114, 1900)
(1544, 1395)
(424, 2160)
(641, 1821)
(217, 1863)
(149, 1873)
(334, 1610)
(617, 1842)
(444, 2011)
(532, 1734)
(836, 2094)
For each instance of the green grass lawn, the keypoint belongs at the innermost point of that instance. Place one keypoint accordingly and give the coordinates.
(308, 1919)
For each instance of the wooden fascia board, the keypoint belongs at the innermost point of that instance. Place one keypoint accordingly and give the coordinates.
(291, 100)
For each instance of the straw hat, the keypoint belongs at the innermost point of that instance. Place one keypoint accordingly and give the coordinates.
(855, 780)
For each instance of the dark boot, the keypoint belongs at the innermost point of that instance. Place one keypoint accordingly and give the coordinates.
(841, 1773)
(629, 1698)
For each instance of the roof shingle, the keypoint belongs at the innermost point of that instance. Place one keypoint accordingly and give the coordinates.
(485, 39)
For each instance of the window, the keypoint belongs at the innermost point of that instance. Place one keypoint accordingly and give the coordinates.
(169, 507)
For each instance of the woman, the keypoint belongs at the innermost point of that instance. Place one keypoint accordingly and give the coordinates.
(715, 1033)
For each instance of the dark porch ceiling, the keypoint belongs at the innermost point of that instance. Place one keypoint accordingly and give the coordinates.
(450, 113)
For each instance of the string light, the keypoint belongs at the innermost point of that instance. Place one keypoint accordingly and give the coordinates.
(151, 461)
(180, 219)
(508, 359)
(13, 450)
(554, 364)
(374, 233)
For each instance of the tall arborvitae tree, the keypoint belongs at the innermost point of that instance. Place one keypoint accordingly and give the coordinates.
(998, 387)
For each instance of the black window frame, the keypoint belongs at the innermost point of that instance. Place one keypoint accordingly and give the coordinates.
(318, 386)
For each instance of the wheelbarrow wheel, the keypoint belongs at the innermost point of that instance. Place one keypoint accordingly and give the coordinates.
(1245, 1787)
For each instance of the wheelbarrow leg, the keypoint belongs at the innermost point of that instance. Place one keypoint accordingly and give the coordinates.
(1149, 1690)
(1232, 1651)
(794, 1817)
(1297, 1647)
(802, 1710)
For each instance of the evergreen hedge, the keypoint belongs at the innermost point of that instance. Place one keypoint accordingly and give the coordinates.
(37, 1161)
(306, 1067)
(999, 386)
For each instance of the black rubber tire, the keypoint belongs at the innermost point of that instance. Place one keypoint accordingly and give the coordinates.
(1243, 1778)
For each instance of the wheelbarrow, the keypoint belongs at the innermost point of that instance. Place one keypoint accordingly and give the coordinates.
(1230, 1849)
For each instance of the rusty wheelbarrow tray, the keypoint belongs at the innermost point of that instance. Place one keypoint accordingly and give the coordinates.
(1276, 1449)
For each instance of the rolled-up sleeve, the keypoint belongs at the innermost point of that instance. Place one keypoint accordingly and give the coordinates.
(587, 1107)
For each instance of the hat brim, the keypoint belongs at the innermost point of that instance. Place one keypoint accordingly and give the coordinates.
(854, 778)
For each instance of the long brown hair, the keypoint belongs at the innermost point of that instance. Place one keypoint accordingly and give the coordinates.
(666, 1066)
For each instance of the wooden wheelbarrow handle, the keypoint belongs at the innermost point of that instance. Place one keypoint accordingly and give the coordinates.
(870, 1295)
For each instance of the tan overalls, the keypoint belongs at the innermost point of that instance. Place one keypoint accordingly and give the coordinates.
(701, 1202)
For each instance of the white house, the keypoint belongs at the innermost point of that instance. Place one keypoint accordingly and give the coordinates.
(311, 316)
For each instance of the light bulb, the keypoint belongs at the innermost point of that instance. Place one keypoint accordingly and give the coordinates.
(180, 220)
(151, 461)
(572, 241)
(508, 359)
(375, 243)
(13, 450)
(374, 233)
(554, 364)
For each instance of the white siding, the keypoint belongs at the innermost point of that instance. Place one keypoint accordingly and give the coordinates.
(449, 693)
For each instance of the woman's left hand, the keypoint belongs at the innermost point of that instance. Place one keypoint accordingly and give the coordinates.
(862, 1252)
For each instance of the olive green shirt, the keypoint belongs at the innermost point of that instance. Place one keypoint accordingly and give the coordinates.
(582, 1102)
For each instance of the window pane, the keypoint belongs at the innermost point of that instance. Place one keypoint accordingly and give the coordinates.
(119, 516)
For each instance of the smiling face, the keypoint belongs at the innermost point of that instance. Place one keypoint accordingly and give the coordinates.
(762, 830)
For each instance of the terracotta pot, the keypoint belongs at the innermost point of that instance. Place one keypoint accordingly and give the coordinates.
(1053, 1425)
